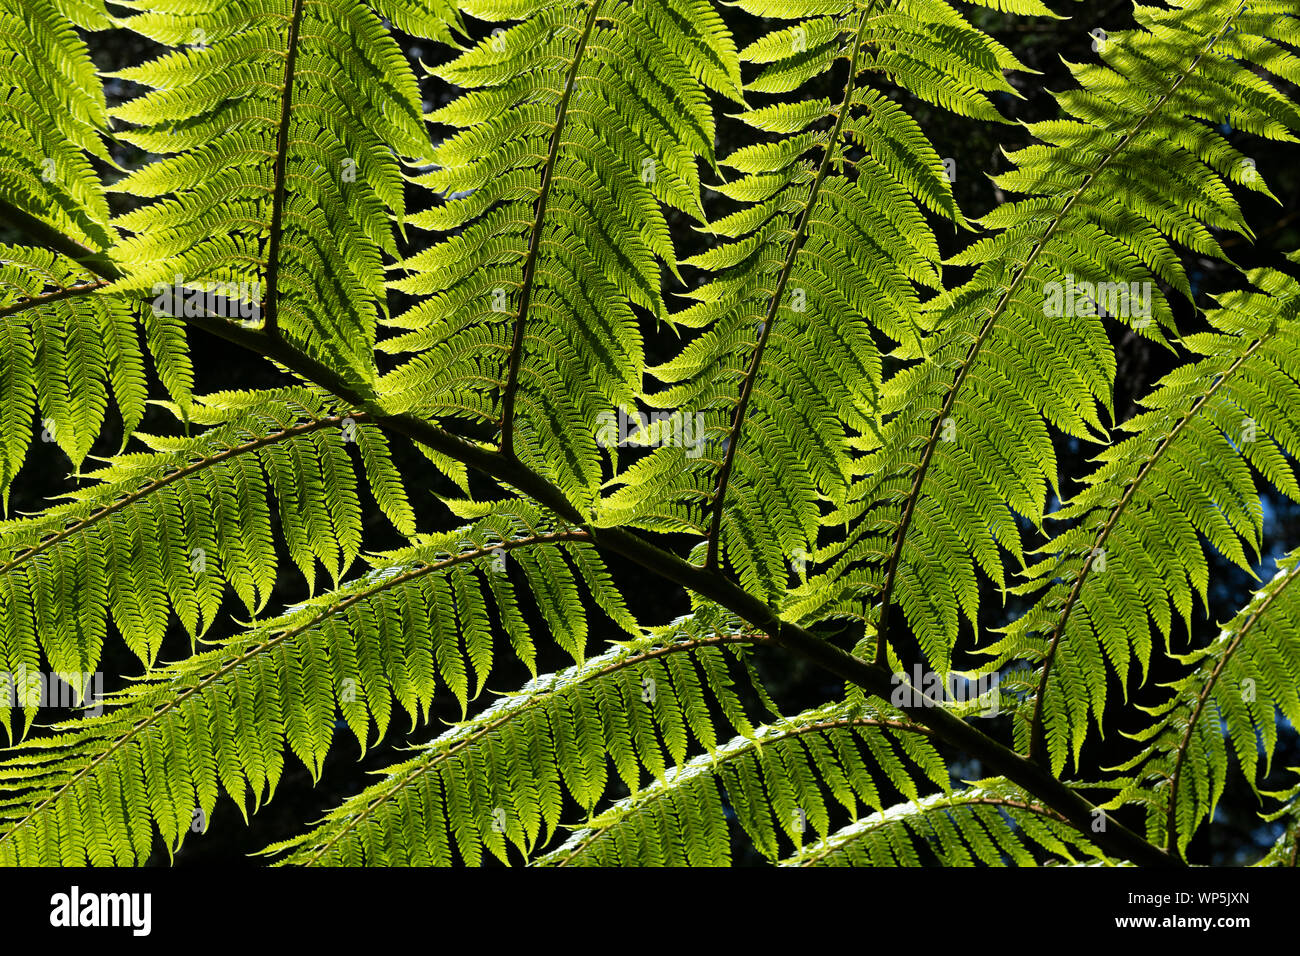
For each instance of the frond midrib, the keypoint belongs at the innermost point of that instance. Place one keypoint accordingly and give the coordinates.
(172, 704)
(796, 242)
(515, 359)
(996, 313)
(1181, 751)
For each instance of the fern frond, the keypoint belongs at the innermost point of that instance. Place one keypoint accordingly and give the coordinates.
(992, 823)
(66, 346)
(825, 264)
(496, 781)
(835, 411)
(1226, 705)
(1286, 849)
(173, 527)
(1133, 554)
(774, 783)
(224, 717)
(302, 172)
(580, 122)
(1023, 340)
(52, 114)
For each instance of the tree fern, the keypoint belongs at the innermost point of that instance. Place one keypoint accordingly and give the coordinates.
(991, 824)
(481, 231)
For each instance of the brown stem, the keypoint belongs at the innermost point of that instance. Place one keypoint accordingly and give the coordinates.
(48, 297)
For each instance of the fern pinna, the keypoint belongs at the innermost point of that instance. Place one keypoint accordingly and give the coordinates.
(850, 415)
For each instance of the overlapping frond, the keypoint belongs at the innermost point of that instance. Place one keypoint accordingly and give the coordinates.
(774, 782)
(171, 742)
(62, 348)
(52, 114)
(170, 529)
(1130, 168)
(1134, 553)
(836, 407)
(65, 346)
(992, 823)
(1226, 706)
(280, 125)
(830, 249)
(579, 123)
(499, 780)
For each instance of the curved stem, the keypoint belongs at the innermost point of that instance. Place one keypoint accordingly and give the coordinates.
(59, 294)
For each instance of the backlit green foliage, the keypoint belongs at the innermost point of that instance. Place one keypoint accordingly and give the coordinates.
(873, 449)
